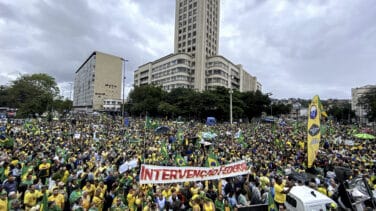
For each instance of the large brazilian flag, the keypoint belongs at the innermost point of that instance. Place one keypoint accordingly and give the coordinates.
(314, 134)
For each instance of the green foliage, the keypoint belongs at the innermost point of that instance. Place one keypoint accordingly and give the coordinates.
(368, 101)
(190, 104)
(62, 106)
(280, 108)
(341, 113)
(146, 99)
(4, 99)
(32, 93)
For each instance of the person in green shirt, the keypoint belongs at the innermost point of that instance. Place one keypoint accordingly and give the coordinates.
(219, 203)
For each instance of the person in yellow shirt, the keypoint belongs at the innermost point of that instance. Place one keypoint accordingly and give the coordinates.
(3, 201)
(196, 204)
(44, 170)
(195, 189)
(65, 175)
(57, 198)
(166, 192)
(30, 199)
(102, 187)
(98, 200)
(280, 193)
(208, 205)
(86, 200)
(131, 198)
(90, 188)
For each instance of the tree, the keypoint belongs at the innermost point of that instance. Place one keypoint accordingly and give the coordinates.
(341, 113)
(255, 103)
(4, 99)
(166, 109)
(32, 93)
(368, 101)
(280, 108)
(145, 99)
(62, 106)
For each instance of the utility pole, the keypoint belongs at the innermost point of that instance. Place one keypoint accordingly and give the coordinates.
(123, 85)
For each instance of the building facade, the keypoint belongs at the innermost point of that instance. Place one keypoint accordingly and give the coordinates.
(195, 62)
(97, 79)
(359, 110)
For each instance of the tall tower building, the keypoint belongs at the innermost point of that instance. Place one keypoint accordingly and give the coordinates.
(195, 62)
(197, 33)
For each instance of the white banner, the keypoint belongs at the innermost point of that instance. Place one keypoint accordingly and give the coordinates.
(150, 174)
(128, 165)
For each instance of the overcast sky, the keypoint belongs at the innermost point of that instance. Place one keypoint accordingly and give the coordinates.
(295, 48)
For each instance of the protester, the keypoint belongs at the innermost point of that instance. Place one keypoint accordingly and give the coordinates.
(77, 170)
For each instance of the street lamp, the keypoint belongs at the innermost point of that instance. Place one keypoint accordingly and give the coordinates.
(231, 91)
(123, 85)
(271, 103)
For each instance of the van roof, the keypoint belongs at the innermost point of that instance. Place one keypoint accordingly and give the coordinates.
(304, 194)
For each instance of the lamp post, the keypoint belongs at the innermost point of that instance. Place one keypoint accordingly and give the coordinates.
(231, 91)
(123, 85)
(271, 103)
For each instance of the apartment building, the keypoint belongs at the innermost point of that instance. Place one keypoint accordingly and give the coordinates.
(195, 62)
(356, 93)
(97, 79)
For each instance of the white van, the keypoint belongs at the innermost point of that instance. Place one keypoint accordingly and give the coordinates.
(303, 198)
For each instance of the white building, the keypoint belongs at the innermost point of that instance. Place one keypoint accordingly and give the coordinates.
(195, 62)
(356, 93)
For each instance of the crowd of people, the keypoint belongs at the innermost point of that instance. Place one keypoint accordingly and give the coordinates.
(74, 164)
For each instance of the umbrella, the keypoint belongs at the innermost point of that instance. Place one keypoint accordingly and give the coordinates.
(205, 143)
(364, 136)
(208, 135)
(162, 130)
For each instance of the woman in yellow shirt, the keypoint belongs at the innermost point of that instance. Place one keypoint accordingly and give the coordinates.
(208, 205)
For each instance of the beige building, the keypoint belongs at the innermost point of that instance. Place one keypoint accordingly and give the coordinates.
(356, 93)
(97, 79)
(195, 62)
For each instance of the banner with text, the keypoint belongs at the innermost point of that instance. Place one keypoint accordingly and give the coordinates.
(313, 133)
(150, 174)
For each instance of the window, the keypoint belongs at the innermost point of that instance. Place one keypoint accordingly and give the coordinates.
(291, 200)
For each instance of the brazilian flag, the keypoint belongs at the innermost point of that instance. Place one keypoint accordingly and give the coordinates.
(6, 141)
(241, 140)
(180, 136)
(148, 124)
(212, 160)
(180, 161)
(30, 127)
(271, 204)
(163, 150)
(44, 205)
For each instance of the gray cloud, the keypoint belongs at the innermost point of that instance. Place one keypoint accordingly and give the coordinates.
(295, 48)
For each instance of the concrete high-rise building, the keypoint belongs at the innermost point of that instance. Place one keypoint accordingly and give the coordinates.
(359, 110)
(197, 33)
(96, 81)
(195, 62)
